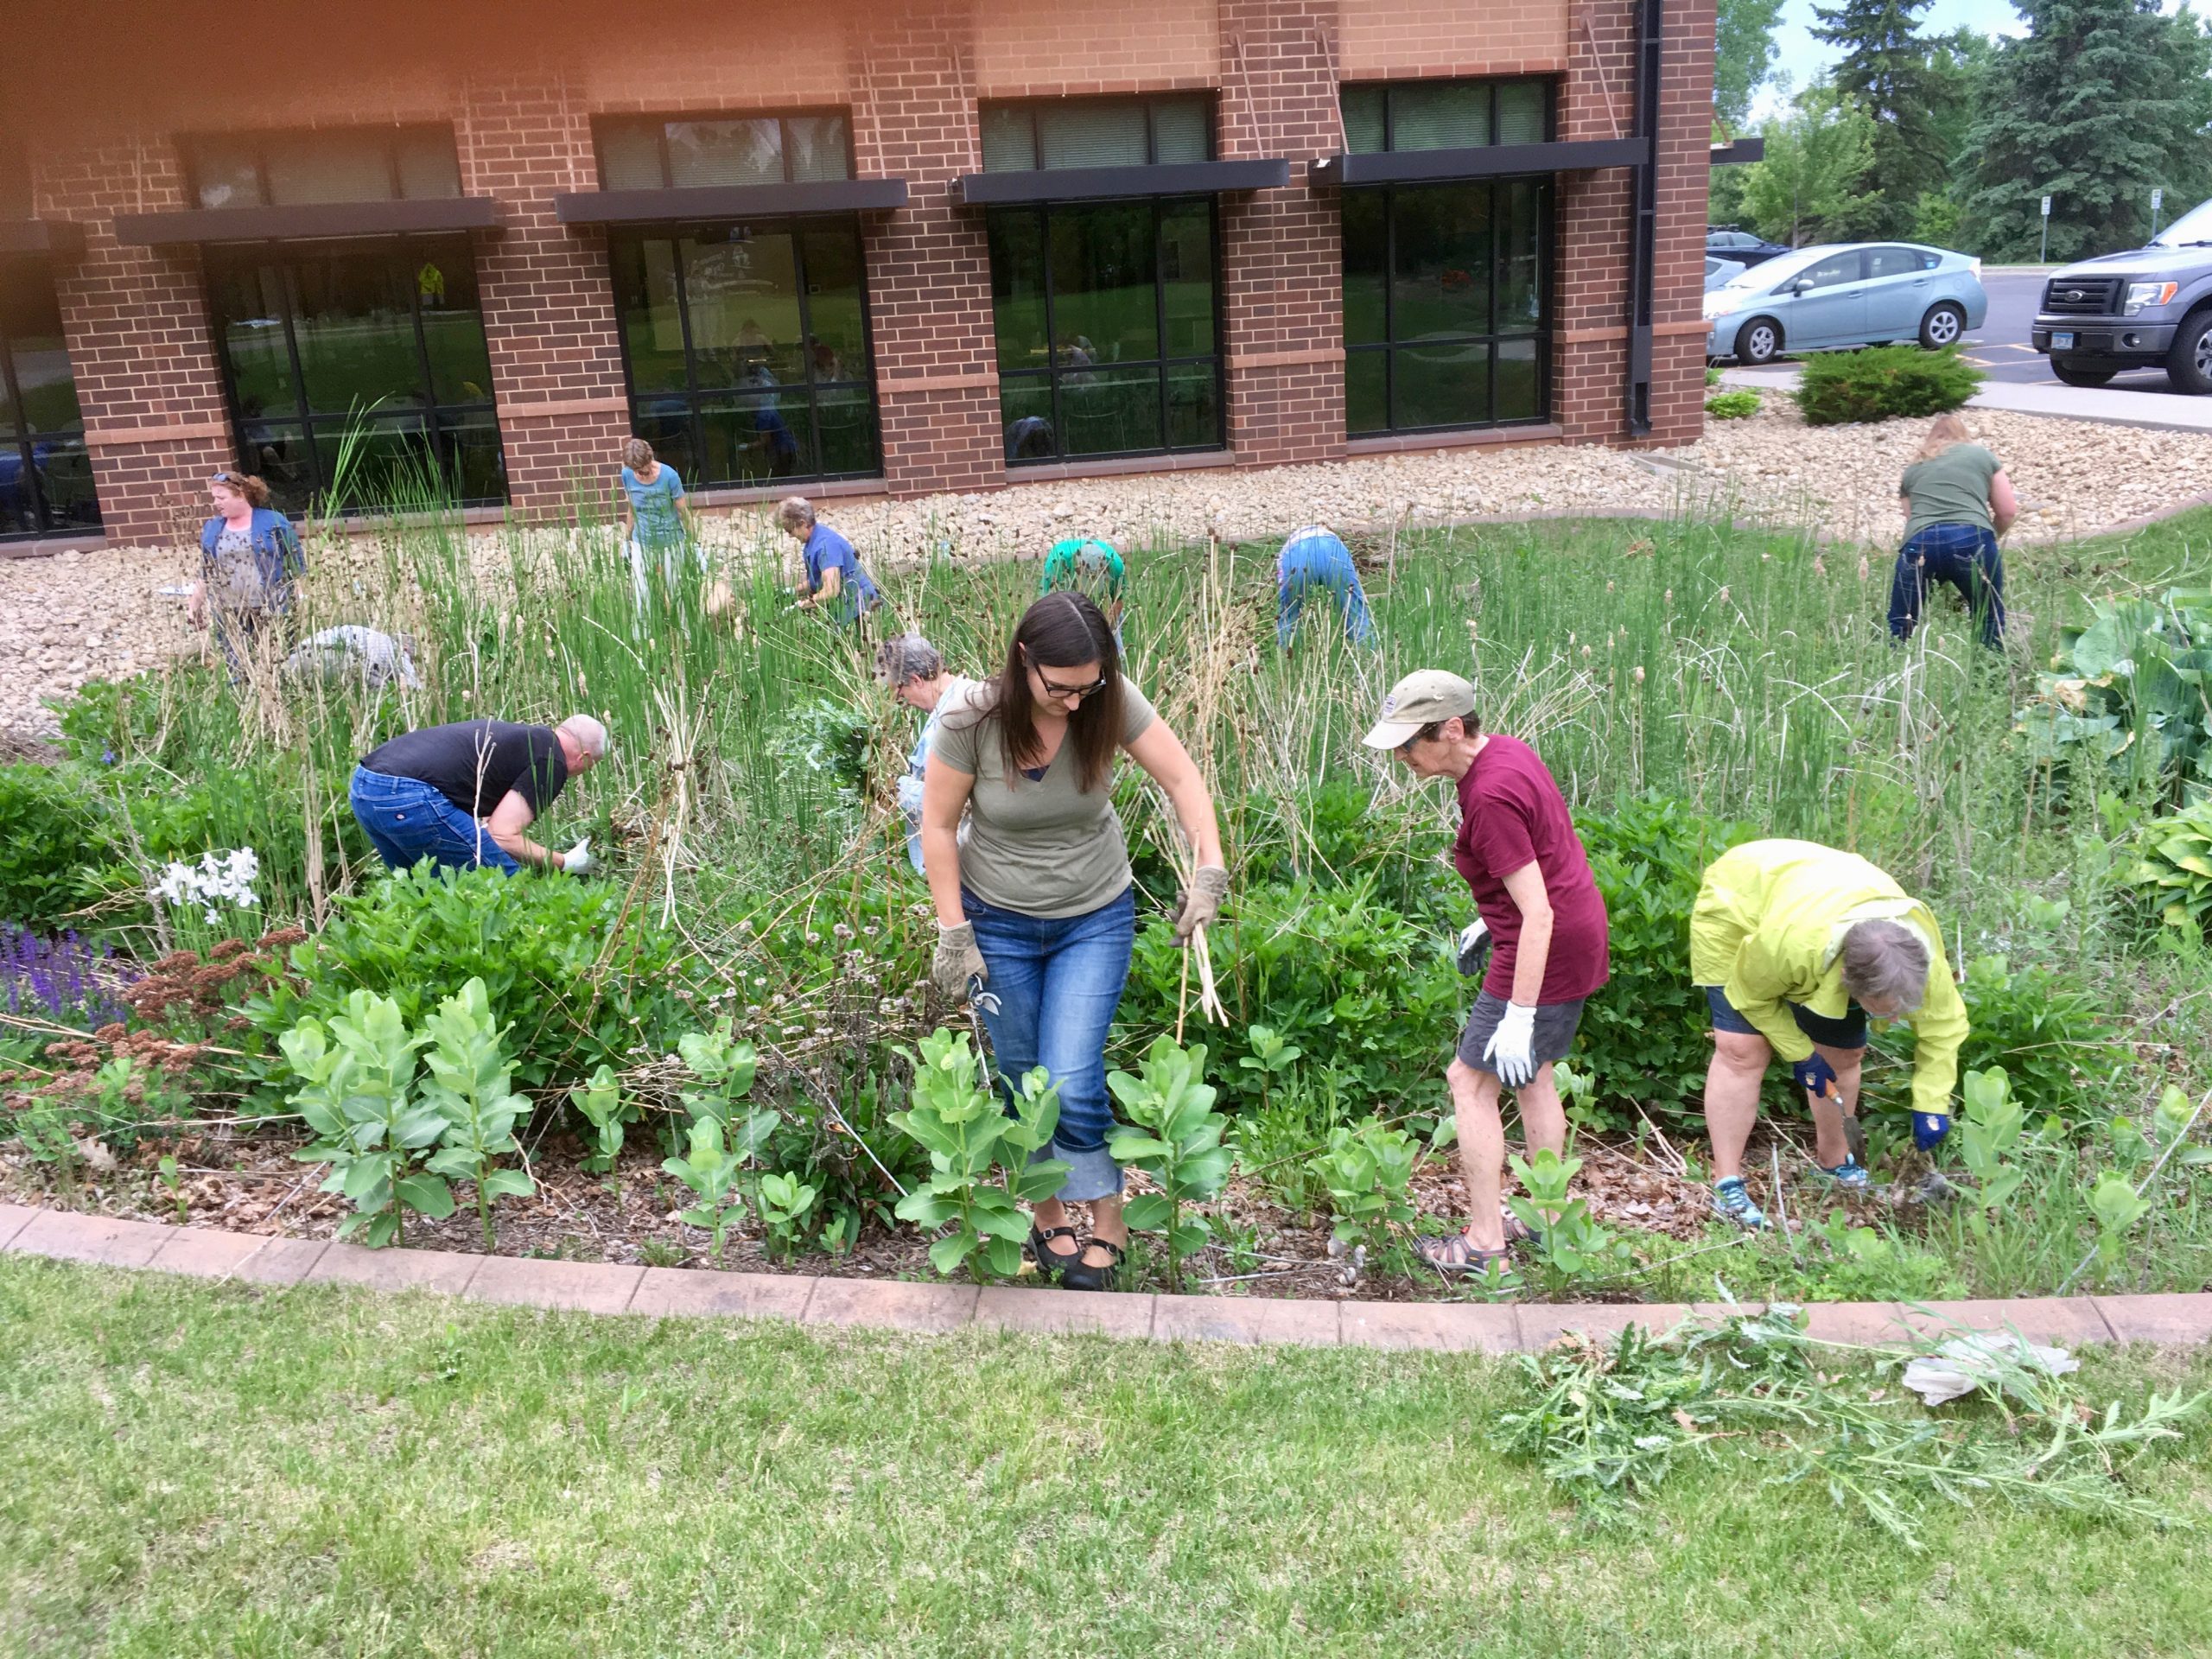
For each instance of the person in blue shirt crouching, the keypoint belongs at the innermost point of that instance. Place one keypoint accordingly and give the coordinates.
(833, 581)
(1315, 561)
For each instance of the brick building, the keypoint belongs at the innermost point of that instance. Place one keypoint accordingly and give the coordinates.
(903, 245)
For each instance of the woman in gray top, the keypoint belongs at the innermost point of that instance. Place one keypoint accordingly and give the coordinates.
(1958, 501)
(1037, 902)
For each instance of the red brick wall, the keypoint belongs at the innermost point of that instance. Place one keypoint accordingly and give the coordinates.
(911, 71)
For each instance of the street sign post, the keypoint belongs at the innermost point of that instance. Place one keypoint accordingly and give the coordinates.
(2158, 200)
(2043, 254)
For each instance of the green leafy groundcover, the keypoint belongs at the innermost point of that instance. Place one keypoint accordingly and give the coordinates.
(580, 982)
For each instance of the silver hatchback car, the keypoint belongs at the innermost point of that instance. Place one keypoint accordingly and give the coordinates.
(1845, 294)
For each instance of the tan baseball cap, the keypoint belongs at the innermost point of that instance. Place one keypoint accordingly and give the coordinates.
(1425, 695)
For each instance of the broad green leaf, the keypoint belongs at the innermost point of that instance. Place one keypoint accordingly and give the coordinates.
(427, 1193)
(509, 1184)
(1147, 1212)
(949, 1252)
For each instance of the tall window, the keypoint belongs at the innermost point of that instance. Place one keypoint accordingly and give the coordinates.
(1105, 311)
(45, 478)
(358, 370)
(1447, 293)
(747, 343)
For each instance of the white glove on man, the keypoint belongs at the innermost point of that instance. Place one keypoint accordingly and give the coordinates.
(578, 860)
(1512, 1048)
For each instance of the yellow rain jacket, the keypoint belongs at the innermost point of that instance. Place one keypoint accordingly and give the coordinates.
(1769, 927)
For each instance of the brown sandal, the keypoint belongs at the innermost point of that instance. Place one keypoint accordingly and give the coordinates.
(1456, 1253)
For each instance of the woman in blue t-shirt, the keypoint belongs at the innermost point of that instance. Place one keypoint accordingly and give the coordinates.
(659, 522)
(830, 577)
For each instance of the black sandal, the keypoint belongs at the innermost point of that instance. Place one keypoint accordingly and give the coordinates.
(1049, 1261)
(1079, 1275)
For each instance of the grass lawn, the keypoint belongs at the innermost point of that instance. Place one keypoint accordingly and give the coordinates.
(193, 1469)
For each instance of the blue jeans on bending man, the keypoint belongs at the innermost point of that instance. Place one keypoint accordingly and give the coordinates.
(408, 821)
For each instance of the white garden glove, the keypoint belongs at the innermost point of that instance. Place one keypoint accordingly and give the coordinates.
(1512, 1045)
(578, 860)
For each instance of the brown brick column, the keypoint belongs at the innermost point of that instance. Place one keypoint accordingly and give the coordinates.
(929, 268)
(1590, 356)
(549, 303)
(1282, 265)
(156, 421)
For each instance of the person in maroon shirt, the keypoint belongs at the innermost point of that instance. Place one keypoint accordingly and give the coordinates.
(1518, 853)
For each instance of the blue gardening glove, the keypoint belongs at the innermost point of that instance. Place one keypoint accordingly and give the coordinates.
(1815, 1076)
(1929, 1129)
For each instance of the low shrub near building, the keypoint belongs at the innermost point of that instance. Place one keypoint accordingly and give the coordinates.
(1883, 383)
(1732, 405)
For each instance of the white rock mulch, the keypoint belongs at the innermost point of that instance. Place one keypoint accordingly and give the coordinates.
(80, 616)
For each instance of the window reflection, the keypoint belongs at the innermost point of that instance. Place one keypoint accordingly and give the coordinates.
(1445, 304)
(747, 350)
(45, 477)
(359, 373)
(1107, 339)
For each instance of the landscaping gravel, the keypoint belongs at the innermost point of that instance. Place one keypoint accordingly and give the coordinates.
(80, 616)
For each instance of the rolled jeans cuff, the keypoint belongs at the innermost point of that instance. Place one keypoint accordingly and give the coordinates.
(1092, 1173)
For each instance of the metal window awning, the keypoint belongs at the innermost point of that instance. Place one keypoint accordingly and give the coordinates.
(1103, 183)
(1740, 152)
(696, 204)
(61, 236)
(318, 221)
(1475, 162)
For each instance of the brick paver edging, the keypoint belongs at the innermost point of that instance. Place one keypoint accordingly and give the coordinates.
(599, 1288)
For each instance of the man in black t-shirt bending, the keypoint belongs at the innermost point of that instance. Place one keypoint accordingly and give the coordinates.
(464, 794)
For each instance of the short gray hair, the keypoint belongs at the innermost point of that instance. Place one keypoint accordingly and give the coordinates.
(1884, 963)
(906, 659)
(793, 511)
(590, 735)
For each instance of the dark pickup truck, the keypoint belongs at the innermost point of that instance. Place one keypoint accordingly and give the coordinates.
(2147, 309)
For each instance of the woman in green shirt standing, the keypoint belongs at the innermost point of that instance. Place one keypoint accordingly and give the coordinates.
(1957, 502)
(1036, 902)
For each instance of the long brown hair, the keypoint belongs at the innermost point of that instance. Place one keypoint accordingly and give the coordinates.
(1061, 630)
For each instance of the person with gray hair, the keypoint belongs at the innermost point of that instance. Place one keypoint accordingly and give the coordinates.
(831, 579)
(1796, 945)
(463, 795)
(915, 669)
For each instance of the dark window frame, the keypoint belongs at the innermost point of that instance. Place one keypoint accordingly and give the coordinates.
(694, 394)
(1548, 84)
(660, 121)
(26, 438)
(434, 414)
(1035, 107)
(262, 140)
(1053, 372)
(1390, 345)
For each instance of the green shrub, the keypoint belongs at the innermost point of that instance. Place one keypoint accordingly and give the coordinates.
(1367, 994)
(1732, 405)
(2129, 690)
(54, 842)
(1883, 383)
(1643, 1035)
(537, 943)
(2047, 1034)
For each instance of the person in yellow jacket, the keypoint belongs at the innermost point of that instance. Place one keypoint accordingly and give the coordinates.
(1794, 946)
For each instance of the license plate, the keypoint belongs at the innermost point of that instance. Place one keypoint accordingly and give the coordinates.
(2062, 342)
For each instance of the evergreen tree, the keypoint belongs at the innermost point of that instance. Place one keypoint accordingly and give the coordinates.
(1886, 70)
(2101, 100)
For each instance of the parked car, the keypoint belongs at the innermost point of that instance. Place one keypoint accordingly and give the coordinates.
(1726, 242)
(2150, 307)
(1846, 295)
(1719, 270)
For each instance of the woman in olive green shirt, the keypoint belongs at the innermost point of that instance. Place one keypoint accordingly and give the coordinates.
(1035, 905)
(1957, 502)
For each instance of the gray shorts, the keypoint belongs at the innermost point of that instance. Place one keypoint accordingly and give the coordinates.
(1556, 1023)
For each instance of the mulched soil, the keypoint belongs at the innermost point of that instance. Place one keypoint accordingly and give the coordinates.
(255, 1185)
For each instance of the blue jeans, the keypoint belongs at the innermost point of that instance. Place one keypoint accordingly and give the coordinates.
(1964, 557)
(1058, 982)
(408, 821)
(1319, 561)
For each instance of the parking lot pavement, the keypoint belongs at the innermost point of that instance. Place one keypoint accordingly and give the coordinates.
(2020, 377)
